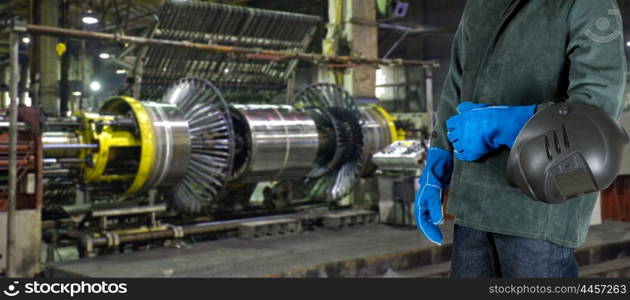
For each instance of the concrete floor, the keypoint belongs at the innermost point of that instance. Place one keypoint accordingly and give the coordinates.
(362, 251)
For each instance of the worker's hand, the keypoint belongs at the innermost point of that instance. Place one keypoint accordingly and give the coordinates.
(479, 128)
(428, 204)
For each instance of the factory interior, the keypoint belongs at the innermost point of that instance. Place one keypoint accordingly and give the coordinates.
(233, 138)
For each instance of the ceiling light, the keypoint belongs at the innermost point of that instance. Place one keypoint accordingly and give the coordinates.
(95, 85)
(89, 18)
(104, 55)
(26, 40)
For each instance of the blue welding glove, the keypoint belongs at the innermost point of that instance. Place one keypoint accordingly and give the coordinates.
(479, 128)
(435, 177)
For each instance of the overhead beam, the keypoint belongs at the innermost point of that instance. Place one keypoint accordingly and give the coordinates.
(252, 53)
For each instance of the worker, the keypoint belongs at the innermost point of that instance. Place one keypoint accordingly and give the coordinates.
(509, 59)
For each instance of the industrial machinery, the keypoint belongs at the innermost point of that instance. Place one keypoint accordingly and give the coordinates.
(241, 76)
(28, 159)
(399, 165)
(172, 157)
(199, 153)
(193, 146)
(29, 187)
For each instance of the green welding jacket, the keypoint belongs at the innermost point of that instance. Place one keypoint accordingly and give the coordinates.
(523, 52)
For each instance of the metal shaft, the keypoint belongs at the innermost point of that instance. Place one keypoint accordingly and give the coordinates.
(13, 116)
(70, 146)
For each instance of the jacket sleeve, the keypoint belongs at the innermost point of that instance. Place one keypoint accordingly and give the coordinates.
(595, 49)
(451, 92)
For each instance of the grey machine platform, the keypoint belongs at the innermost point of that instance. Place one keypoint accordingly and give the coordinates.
(363, 251)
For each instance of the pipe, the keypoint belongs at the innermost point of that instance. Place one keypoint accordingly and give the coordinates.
(88, 243)
(64, 85)
(62, 144)
(56, 172)
(429, 95)
(62, 121)
(11, 270)
(129, 211)
(52, 224)
(7, 124)
(59, 144)
(22, 147)
(69, 146)
(160, 234)
(78, 209)
(419, 29)
(254, 53)
(63, 160)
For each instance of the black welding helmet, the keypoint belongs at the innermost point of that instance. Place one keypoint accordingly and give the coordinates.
(566, 150)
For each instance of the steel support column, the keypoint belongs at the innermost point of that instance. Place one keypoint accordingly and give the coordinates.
(13, 131)
(361, 31)
(47, 60)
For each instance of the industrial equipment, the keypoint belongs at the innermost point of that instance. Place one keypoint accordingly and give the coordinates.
(29, 188)
(235, 27)
(404, 155)
(104, 176)
(194, 145)
(200, 152)
(399, 165)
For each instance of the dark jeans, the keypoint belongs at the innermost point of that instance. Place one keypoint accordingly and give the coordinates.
(485, 254)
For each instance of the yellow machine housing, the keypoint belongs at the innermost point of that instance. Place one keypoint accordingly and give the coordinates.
(130, 143)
